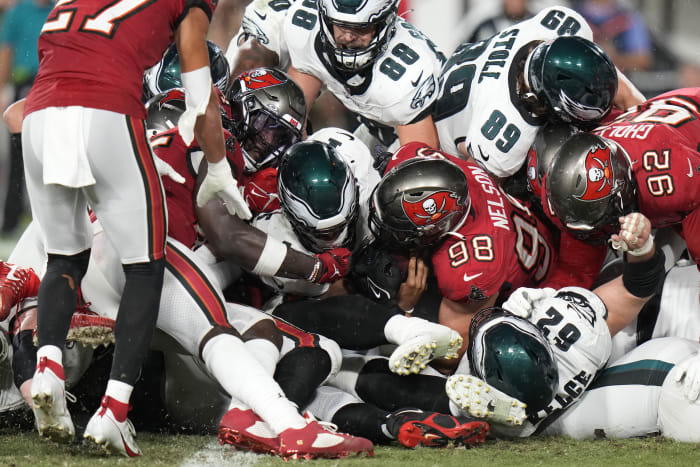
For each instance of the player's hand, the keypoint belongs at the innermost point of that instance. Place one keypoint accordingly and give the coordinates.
(688, 372)
(219, 181)
(413, 287)
(523, 300)
(334, 264)
(260, 192)
(635, 235)
(166, 170)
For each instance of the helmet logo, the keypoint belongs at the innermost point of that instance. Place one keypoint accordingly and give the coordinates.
(173, 94)
(258, 79)
(599, 175)
(431, 209)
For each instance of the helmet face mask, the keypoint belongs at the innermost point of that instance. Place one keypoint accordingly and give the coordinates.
(268, 115)
(166, 74)
(361, 15)
(417, 202)
(574, 77)
(319, 195)
(511, 354)
(589, 184)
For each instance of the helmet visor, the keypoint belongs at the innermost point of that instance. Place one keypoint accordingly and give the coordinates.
(267, 137)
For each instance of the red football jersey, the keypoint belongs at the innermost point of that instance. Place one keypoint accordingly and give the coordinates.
(93, 53)
(501, 246)
(182, 219)
(662, 137)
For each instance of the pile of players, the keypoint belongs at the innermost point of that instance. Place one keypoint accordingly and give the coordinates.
(503, 246)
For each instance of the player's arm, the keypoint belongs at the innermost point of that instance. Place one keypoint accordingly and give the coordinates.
(423, 131)
(232, 238)
(627, 93)
(308, 83)
(642, 276)
(252, 54)
(458, 316)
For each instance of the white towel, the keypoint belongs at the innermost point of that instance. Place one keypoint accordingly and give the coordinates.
(64, 154)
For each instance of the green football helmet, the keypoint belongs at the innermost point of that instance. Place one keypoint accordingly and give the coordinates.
(574, 77)
(511, 354)
(319, 195)
(165, 75)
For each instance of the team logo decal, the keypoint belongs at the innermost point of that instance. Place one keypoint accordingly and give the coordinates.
(599, 175)
(349, 6)
(259, 79)
(173, 94)
(431, 209)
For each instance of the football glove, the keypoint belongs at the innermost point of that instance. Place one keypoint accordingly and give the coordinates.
(260, 191)
(219, 181)
(635, 235)
(334, 265)
(166, 170)
(523, 300)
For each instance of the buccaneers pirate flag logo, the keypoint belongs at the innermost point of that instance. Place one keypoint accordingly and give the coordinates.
(258, 79)
(599, 175)
(430, 209)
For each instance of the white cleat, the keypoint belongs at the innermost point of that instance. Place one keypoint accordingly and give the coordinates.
(109, 434)
(478, 399)
(49, 402)
(415, 354)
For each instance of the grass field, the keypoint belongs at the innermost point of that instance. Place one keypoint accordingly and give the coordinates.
(26, 449)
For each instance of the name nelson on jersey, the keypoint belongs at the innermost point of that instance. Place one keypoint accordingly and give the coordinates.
(496, 205)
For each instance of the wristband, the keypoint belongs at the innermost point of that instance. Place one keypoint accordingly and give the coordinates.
(317, 269)
(197, 84)
(271, 258)
(409, 312)
(645, 279)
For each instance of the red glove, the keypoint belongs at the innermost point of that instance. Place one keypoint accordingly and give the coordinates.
(260, 191)
(333, 265)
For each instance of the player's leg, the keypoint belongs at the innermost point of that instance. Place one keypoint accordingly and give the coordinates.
(128, 200)
(62, 214)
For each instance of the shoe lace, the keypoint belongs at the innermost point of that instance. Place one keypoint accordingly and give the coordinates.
(328, 426)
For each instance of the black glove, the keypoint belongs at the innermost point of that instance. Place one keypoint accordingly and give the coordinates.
(375, 273)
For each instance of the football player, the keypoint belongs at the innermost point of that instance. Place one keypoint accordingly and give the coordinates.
(378, 65)
(84, 139)
(645, 160)
(496, 93)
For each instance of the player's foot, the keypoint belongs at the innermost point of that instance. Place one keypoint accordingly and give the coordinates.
(427, 342)
(89, 328)
(414, 427)
(476, 398)
(16, 284)
(244, 429)
(109, 433)
(49, 402)
(320, 440)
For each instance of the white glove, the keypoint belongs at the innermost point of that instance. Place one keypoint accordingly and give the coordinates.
(635, 235)
(479, 399)
(219, 181)
(688, 371)
(523, 300)
(166, 170)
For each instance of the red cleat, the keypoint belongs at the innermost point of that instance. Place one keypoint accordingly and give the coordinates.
(244, 429)
(16, 284)
(317, 440)
(414, 427)
(89, 328)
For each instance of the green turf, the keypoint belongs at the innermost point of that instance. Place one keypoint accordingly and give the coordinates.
(27, 449)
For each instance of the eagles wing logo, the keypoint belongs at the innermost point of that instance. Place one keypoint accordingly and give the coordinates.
(258, 79)
(431, 209)
(599, 175)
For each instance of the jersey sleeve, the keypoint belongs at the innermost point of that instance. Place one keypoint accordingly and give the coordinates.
(208, 6)
(263, 21)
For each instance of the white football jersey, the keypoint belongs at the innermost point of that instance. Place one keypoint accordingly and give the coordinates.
(397, 89)
(573, 322)
(477, 102)
(263, 20)
(356, 154)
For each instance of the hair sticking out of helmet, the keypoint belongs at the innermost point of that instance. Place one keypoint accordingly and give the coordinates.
(574, 77)
(589, 184)
(511, 354)
(419, 201)
(319, 195)
(268, 114)
(359, 15)
(165, 75)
